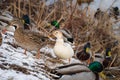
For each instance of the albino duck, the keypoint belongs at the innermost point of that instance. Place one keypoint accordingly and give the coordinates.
(77, 71)
(85, 54)
(29, 40)
(61, 49)
(67, 36)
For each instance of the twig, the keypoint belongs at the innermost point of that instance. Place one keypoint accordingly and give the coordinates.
(113, 60)
(19, 10)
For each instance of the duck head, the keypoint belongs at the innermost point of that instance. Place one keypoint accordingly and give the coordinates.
(26, 21)
(58, 34)
(87, 47)
(96, 67)
(85, 53)
(55, 24)
(108, 57)
(108, 53)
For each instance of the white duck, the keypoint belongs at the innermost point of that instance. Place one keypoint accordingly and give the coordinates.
(61, 49)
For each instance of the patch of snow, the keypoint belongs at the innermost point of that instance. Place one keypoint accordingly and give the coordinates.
(48, 50)
(13, 75)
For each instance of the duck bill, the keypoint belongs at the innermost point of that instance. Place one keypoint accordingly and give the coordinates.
(109, 54)
(87, 50)
(51, 37)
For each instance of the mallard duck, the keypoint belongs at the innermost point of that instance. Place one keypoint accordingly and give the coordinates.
(77, 71)
(6, 18)
(61, 49)
(104, 60)
(27, 39)
(107, 58)
(85, 54)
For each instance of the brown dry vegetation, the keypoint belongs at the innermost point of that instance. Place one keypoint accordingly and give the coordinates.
(83, 28)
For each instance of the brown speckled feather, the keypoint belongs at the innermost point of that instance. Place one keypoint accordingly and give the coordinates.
(30, 40)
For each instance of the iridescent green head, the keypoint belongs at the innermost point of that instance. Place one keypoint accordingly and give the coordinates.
(95, 67)
(56, 24)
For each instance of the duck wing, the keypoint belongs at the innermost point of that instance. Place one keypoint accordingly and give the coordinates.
(35, 36)
(72, 69)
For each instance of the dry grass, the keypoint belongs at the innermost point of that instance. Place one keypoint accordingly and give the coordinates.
(83, 28)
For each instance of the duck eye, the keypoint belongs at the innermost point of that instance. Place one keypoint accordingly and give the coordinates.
(56, 32)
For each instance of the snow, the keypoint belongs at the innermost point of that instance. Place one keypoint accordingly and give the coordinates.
(13, 75)
(14, 56)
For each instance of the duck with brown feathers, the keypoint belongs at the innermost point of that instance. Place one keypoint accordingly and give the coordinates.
(85, 54)
(27, 39)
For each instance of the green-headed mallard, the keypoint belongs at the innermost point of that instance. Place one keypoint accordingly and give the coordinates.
(77, 71)
(104, 59)
(85, 54)
(28, 39)
(61, 49)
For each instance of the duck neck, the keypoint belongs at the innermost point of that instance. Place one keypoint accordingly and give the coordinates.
(59, 41)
